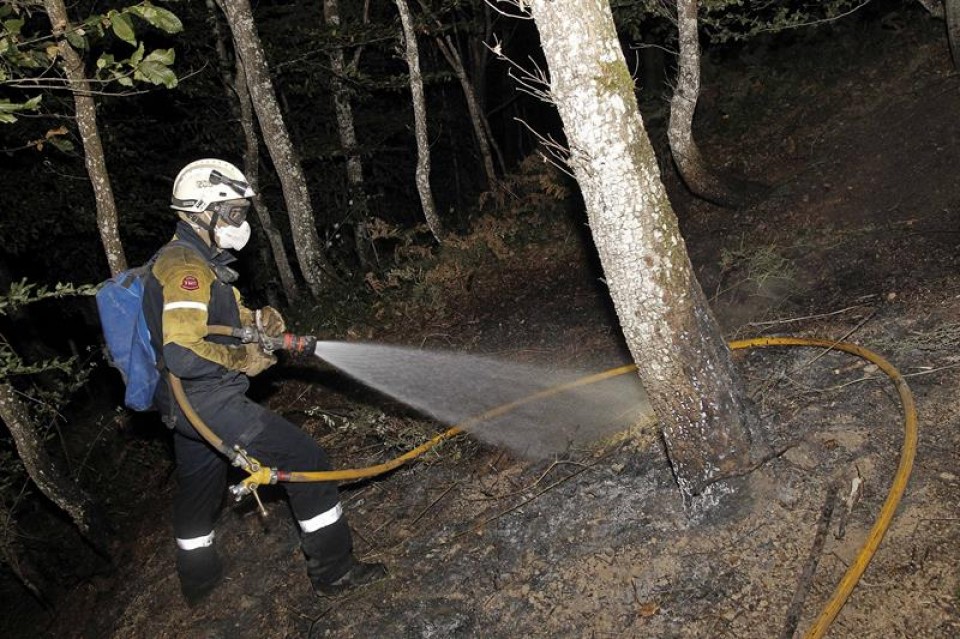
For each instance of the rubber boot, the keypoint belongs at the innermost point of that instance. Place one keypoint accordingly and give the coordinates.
(200, 571)
(331, 565)
(359, 574)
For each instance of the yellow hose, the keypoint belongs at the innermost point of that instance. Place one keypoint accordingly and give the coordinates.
(261, 476)
(907, 453)
(372, 471)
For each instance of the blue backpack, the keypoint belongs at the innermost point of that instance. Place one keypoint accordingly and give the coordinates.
(120, 305)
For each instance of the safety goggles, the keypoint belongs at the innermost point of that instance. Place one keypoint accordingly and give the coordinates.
(233, 212)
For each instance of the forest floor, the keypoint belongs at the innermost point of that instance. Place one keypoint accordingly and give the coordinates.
(857, 240)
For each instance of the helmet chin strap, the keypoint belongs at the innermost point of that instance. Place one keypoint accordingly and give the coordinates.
(196, 219)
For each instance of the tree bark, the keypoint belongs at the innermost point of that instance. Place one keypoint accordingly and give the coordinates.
(412, 55)
(952, 16)
(686, 154)
(314, 265)
(682, 359)
(935, 7)
(44, 472)
(357, 206)
(93, 157)
(238, 97)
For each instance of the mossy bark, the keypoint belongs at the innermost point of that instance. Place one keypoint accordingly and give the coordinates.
(683, 361)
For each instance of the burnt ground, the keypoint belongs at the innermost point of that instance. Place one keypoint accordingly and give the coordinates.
(857, 239)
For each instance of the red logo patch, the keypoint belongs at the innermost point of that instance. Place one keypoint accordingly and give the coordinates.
(189, 283)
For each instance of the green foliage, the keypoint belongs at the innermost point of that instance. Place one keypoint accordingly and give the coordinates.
(22, 293)
(61, 379)
(27, 49)
(8, 108)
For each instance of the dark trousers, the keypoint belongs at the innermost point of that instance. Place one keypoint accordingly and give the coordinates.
(275, 442)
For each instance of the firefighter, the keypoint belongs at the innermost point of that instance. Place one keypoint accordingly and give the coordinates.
(191, 286)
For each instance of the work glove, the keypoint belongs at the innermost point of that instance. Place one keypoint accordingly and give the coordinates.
(271, 322)
(256, 360)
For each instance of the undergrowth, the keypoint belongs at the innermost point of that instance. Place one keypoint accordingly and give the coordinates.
(417, 278)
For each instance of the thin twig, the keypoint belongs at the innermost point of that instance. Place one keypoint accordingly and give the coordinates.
(842, 338)
(434, 503)
(790, 320)
(795, 609)
(528, 500)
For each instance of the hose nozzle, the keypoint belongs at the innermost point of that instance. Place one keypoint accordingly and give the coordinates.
(293, 344)
(290, 342)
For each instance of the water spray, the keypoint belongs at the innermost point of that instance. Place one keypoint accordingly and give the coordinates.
(298, 344)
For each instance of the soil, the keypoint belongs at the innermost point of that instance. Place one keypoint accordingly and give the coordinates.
(856, 239)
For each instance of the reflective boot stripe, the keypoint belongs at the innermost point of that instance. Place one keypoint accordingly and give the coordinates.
(195, 542)
(322, 520)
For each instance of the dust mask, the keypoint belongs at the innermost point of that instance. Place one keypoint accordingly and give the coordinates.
(232, 237)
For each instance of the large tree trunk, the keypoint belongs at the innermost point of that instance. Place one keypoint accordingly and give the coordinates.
(238, 97)
(93, 156)
(316, 270)
(357, 205)
(682, 359)
(45, 474)
(412, 56)
(696, 175)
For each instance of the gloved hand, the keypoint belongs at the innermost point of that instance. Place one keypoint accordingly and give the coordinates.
(271, 321)
(256, 360)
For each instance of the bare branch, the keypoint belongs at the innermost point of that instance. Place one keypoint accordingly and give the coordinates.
(519, 5)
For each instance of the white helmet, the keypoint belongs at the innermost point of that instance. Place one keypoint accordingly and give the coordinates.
(205, 182)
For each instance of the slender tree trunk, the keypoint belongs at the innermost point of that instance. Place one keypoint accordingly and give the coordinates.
(93, 156)
(480, 132)
(238, 97)
(251, 169)
(412, 56)
(683, 361)
(45, 474)
(314, 265)
(697, 176)
(480, 56)
(357, 205)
